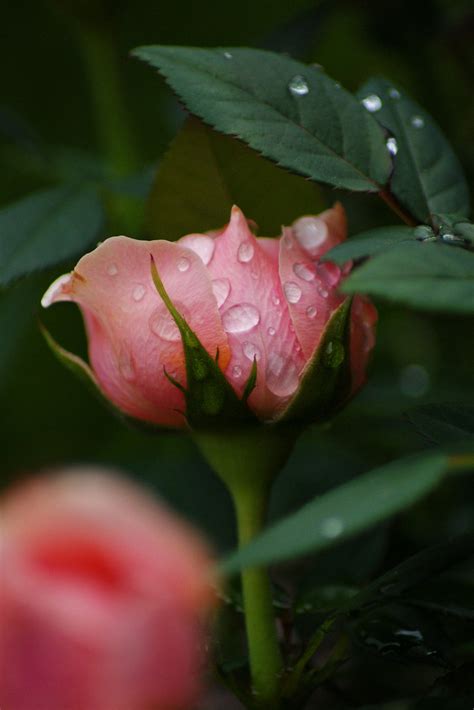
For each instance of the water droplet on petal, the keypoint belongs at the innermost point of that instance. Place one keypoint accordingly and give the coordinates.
(298, 86)
(138, 292)
(126, 366)
(292, 292)
(251, 351)
(240, 318)
(271, 331)
(221, 290)
(332, 527)
(392, 145)
(330, 273)
(162, 324)
(183, 264)
(417, 122)
(311, 311)
(245, 252)
(201, 245)
(275, 300)
(112, 270)
(372, 103)
(237, 371)
(281, 375)
(305, 272)
(311, 232)
(323, 292)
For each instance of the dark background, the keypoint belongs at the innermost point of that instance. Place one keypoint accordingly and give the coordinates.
(50, 131)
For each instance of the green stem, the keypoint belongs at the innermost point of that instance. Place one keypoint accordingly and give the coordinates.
(247, 461)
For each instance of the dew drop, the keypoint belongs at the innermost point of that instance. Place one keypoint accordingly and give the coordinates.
(305, 272)
(449, 238)
(183, 264)
(221, 290)
(245, 252)
(275, 300)
(330, 273)
(227, 55)
(162, 324)
(298, 86)
(237, 371)
(423, 233)
(240, 318)
(372, 103)
(271, 331)
(112, 270)
(292, 292)
(251, 351)
(281, 375)
(201, 245)
(392, 145)
(332, 527)
(311, 232)
(417, 122)
(394, 93)
(414, 381)
(311, 312)
(334, 354)
(126, 366)
(138, 292)
(323, 292)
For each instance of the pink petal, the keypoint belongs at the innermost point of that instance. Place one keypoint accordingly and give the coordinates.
(255, 316)
(310, 290)
(363, 325)
(132, 337)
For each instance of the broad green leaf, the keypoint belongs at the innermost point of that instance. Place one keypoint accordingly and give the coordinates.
(326, 379)
(205, 173)
(444, 423)
(46, 228)
(290, 112)
(344, 511)
(432, 277)
(427, 176)
(210, 399)
(369, 243)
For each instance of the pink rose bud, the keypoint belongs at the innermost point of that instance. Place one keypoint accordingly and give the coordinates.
(248, 299)
(103, 599)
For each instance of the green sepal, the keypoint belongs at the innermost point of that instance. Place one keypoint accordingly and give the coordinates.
(326, 380)
(210, 399)
(84, 373)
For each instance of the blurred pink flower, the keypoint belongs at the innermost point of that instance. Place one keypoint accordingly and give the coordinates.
(247, 297)
(103, 599)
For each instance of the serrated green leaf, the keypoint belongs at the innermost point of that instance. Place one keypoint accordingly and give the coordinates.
(205, 173)
(46, 228)
(427, 176)
(344, 511)
(326, 373)
(369, 243)
(210, 399)
(444, 423)
(317, 129)
(433, 277)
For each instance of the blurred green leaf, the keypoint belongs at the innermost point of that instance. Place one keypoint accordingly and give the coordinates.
(444, 423)
(46, 228)
(288, 111)
(204, 173)
(369, 243)
(344, 511)
(427, 176)
(432, 277)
